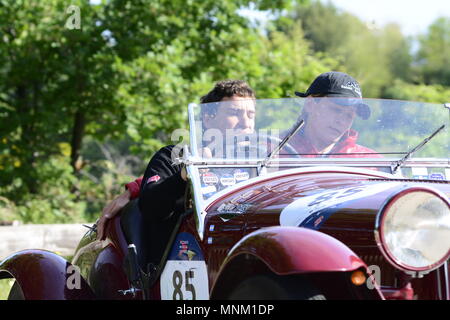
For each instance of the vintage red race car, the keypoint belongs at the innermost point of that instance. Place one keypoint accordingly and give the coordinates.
(263, 220)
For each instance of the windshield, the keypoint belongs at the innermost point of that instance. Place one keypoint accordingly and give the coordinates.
(334, 128)
(234, 141)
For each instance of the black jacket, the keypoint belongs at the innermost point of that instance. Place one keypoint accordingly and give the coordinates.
(161, 197)
(162, 188)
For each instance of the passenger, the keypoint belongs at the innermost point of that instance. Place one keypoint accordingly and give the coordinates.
(328, 119)
(164, 182)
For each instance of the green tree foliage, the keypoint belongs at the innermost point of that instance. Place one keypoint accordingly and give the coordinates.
(374, 56)
(83, 108)
(419, 92)
(129, 70)
(53, 81)
(434, 53)
(397, 49)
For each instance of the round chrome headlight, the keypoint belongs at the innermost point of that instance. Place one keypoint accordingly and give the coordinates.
(413, 229)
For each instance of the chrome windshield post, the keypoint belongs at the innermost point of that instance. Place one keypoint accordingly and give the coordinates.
(192, 129)
(199, 205)
(192, 170)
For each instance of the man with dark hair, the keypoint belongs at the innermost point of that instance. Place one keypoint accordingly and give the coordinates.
(328, 119)
(228, 89)
(164, 182)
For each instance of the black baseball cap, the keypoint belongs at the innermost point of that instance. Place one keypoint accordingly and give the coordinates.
(341, 85)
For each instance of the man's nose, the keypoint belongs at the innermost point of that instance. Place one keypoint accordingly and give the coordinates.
(244, 121)
(342, 119)
(339, 119)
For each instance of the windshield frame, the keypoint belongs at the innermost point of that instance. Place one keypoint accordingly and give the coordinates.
(194, 163)
(196, 131)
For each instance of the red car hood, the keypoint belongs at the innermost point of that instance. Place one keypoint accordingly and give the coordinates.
(332, 202)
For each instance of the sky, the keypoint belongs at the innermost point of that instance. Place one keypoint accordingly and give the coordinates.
(413, 16)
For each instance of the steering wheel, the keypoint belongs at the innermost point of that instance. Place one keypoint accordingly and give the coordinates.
(261, 148)
(276, 141)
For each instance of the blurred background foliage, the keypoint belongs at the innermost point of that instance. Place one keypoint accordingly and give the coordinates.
(83, 110)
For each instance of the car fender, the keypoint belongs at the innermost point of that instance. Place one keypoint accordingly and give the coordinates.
(289, 250)
(284, 251)
(44, 275)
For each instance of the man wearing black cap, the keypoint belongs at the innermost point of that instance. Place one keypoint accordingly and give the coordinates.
(333, 100)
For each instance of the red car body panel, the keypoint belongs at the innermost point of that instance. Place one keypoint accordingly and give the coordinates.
(279, 249)
(353, 224)
(44, 275)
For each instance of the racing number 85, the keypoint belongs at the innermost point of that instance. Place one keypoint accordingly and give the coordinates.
(177, 280)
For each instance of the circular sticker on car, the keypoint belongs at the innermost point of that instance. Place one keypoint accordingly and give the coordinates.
(227, 180)
(210, 178)
(240, 175)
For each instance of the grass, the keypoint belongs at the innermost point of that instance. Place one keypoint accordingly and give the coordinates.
(5, 286)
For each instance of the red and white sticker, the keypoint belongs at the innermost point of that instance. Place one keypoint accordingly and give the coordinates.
(210, 178)
(154, 178)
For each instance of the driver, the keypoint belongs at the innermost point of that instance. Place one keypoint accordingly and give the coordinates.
(328, 119)
(164, 183)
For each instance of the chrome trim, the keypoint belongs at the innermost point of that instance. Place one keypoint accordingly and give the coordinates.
(439, 281)
(192, 131)
(377, 232)
(446, 280)
(199, 205)
(423, 162)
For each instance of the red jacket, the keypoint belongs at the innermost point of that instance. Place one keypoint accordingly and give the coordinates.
(346, 145)
(134, 187)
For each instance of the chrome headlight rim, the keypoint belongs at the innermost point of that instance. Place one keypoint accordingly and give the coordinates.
(380, 235)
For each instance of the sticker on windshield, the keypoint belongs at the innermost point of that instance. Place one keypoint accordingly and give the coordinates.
(419, 173)
(240, 175)
(210, 178)
(436, 176)
(301, 209)
(227, 180)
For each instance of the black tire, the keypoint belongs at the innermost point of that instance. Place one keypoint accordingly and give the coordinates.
(16, 292)
(273, 287)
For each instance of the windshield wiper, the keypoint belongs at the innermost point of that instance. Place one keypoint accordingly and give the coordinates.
(397, 164)
(295, 128)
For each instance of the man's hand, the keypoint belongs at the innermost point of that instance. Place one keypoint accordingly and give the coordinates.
(184, 173)
(206, 152)
(110, 211)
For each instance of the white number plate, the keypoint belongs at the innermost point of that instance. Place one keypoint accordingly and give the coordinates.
(184, 280)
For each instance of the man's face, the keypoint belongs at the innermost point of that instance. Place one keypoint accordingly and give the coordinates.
(327, 120)
(236, 113)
